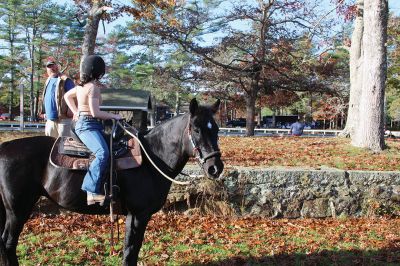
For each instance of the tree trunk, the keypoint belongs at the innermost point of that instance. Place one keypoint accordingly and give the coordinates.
(250, 112)
(259, 117)
(273, 118)
(30, 42)
(310, 108)
(369, 133)
(38, 78)
(91, 29)
(12, 78)
(36, 107)
(177, 103)
(355, 72)
(31, 91)
(223, 123)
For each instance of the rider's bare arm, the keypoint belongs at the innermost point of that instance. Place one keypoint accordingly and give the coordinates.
(70, 97)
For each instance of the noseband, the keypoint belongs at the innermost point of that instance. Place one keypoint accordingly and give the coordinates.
(196, 150)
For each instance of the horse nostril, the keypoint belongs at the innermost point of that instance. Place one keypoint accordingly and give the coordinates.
(212, 170)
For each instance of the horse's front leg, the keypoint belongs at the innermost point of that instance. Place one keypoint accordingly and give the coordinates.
(134, 234)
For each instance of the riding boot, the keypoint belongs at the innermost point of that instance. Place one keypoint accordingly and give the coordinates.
(93, 198)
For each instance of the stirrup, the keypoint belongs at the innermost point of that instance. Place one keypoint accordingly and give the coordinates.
(114, 193)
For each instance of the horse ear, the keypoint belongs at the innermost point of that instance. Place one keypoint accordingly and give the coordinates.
(215, 106)
(193, 106)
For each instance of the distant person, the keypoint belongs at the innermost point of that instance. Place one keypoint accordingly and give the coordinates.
(55, 110)
(313, 124)
(296, 129)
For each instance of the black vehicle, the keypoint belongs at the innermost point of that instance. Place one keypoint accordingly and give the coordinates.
(241, 122)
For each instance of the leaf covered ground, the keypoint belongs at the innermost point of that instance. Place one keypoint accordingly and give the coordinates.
(177, 239)
(307, 152)
(294, 152)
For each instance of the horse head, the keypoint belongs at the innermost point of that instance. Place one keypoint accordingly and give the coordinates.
(203, 136)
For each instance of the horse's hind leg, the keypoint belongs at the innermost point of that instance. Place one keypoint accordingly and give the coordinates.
(134, 233)
(17, 213)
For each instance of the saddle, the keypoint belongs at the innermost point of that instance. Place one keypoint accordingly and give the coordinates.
(71, 153)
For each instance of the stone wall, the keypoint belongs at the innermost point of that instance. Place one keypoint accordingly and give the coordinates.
(290, 193)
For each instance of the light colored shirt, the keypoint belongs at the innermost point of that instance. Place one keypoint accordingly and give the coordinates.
(297, 128)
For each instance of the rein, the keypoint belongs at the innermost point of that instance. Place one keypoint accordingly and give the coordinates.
(151, 161)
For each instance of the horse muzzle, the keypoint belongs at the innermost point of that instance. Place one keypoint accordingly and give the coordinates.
(213, 166)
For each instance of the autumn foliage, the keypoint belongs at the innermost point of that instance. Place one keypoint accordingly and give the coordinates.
(173, 239)
(177, 239)
(306, 152)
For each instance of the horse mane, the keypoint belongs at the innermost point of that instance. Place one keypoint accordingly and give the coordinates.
(162, 125)
(201, 112)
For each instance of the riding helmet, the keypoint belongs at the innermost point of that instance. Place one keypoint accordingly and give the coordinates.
(93, 67)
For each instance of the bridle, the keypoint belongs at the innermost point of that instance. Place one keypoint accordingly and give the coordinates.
(196, 150)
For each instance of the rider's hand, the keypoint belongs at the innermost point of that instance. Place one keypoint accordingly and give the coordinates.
(75, 117)
(117, 117)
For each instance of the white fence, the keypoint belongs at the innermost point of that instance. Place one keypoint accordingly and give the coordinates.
(224, 131)
(277, 131)
(17, 126)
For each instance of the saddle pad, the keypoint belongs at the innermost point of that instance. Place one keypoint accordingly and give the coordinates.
(70, 146)
(132, 159)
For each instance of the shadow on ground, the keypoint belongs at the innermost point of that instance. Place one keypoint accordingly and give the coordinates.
(353, 257)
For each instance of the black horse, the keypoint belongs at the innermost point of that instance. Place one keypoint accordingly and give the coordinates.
(26, 174)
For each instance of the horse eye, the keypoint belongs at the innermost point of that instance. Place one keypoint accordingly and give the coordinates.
(196, 130)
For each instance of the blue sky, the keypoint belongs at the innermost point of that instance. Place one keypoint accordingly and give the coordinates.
(394, 6)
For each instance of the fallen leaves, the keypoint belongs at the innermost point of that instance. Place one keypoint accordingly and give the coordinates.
(307, 152)
(180, 240)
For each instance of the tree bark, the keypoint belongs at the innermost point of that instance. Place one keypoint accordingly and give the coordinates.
(31, 74)
(369, 133)
(177, 103)
(355, 72)
(12, 72)
(250, 112)
(91, 29)
(38, 78)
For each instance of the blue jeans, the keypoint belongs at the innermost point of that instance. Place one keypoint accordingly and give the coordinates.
(90, 131)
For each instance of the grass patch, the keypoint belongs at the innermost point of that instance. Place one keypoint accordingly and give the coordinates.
(202, 240)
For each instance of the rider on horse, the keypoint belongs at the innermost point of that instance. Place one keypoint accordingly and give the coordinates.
(89, 127)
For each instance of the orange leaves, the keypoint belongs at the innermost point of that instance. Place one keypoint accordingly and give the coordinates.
(306, 152)
(181, 240)
(280, 98)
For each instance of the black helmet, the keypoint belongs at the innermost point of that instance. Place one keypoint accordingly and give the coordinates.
(93, 67)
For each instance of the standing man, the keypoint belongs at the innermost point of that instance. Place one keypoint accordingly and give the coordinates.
(58, 116)
(296, 129)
